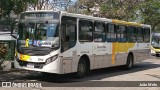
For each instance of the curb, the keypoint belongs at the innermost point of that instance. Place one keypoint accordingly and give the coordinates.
(12, 69)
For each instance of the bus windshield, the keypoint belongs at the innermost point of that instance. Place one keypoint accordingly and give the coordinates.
(38, 33)
(155, 41)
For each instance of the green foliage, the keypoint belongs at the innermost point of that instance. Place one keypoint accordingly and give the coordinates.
(18, 6)
(115, 9)
(118, 9)
(6, 6)
(150, 13)
(142, 11)
(157, 28)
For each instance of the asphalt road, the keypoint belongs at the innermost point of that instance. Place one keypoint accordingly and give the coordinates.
(115, 78)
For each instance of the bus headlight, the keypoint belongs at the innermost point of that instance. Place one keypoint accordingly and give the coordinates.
(51, 59)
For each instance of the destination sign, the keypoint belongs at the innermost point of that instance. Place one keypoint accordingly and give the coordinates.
(40, 15)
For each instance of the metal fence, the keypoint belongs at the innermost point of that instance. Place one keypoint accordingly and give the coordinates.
(7, 50)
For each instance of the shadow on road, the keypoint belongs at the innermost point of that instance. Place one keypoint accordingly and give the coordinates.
(155, 57)
(70, 78)
(94, 74)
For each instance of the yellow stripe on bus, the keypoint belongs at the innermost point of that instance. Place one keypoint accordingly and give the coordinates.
(24, 57)
(113, 53)
(120, 47)
(125, 23)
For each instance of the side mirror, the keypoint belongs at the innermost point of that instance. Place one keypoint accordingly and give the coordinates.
(14, 28)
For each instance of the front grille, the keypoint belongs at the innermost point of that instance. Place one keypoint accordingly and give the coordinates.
(36, 64)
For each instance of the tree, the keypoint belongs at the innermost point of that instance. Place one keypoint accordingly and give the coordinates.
(115, 9)
(50, 5)
(120, 9)
(81, 7)
(18, 6)
(6, 6)
(157, 28)
(150, 13)
(22, 5)
(142, 11)
(38, 5)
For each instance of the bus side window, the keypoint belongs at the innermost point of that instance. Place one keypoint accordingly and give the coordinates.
(99, 33)
(68, 36)
(68, 33)
(121, 34)
(111, 33)
(146, 35)
(131, 36)
(85, 31)
(139, 32)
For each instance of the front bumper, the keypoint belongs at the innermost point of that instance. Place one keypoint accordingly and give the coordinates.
(155, 51)
(52, 67)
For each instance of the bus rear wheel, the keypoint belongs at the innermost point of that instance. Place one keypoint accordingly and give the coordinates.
(129, 63)
(82, 68)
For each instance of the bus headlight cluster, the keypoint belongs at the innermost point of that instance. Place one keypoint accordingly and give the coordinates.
(51, 59)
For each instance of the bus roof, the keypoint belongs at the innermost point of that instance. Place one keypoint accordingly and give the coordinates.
(41, 11)
(86, 17)
(115, 21)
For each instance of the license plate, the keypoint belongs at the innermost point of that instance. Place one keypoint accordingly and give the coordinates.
(30, 65)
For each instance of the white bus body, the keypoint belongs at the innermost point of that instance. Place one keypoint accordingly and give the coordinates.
(85, 43)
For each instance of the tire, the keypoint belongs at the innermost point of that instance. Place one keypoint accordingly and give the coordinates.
(157, 55)
(46, 74)
(50, 75)
(82, 68)
(129, 63)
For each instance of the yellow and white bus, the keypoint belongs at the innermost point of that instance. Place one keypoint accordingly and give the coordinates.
(61, 42)
(155, 44)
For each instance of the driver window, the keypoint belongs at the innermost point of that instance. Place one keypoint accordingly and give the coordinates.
(41, 31)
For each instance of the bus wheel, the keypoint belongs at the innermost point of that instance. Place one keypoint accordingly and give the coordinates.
(129, 63)
(157, 55)
(82, 68)
(46, 74)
